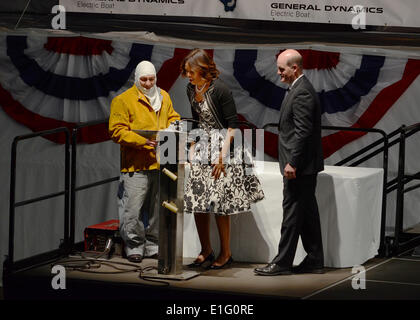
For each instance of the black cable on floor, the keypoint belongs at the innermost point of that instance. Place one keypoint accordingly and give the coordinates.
(88, 265)
(146, 278)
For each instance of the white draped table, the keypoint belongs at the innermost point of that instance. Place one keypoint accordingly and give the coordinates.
(349, 200)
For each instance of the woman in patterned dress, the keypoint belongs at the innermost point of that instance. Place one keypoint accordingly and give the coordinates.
(217, 184)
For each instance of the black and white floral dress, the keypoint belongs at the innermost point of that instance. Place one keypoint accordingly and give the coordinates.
(230, 194)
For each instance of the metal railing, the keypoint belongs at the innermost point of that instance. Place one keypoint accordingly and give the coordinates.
(73, 187)
(402, 240)
(10, 264)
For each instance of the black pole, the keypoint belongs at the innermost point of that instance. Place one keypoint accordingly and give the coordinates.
(12, 200)
(400, 190)
(73, 187)
(382, 245)
(67, 193)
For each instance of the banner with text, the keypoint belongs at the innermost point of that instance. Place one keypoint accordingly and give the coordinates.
(370, 13)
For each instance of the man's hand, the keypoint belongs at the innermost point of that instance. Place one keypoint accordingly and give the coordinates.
(289, 172)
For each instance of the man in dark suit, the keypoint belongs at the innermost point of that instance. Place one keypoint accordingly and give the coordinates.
(300, 158)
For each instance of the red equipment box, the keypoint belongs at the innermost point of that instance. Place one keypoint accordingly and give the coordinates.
(97, 235)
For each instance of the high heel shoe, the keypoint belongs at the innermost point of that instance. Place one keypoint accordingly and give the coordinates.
(227, 263)
(210, 258)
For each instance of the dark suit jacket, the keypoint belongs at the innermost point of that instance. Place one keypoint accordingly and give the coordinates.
(300, 129)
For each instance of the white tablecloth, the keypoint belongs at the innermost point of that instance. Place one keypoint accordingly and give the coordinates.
(349, 201)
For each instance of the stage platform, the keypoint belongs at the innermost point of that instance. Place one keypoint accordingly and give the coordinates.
(394, 278)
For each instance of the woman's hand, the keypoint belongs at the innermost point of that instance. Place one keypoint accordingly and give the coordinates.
(218, 168)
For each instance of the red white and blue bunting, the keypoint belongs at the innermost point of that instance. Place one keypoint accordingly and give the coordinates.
(47, 82)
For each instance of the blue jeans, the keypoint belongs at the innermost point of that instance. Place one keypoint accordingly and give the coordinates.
(136, 190)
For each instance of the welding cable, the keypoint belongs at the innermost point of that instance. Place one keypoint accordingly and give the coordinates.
(108, 247)
(149, 278)
(88, 266)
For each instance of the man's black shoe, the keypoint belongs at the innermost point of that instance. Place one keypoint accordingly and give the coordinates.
(136, 258)
(272, 269)
(307, 269)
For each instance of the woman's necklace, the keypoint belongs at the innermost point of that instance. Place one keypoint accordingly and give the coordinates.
(200, 90)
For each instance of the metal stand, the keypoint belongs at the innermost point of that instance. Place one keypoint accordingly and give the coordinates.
(171, 213)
